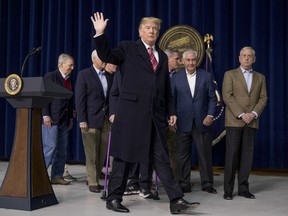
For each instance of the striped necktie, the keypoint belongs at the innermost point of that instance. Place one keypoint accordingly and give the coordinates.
(152, 58)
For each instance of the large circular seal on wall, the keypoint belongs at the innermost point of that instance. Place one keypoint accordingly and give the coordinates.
(182, 37)
(13, 84)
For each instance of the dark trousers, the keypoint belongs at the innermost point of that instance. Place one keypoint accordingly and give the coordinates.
(172, 147)
(141, 174)
(203, 142)
(134, 173)
(239, 157)
(160, 161)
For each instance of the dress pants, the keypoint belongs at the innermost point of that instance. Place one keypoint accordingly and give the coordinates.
(133, 174)
(239, 157)
(140, 174)
(95, 142)
(160, 161)
(146, 173)
(203, 142)
(172, 147)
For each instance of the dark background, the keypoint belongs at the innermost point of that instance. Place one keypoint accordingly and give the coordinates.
(64, 26)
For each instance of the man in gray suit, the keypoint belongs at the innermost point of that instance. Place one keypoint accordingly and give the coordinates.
(195, 99)
(245, 96)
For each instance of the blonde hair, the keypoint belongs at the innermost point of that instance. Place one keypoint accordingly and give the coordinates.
(150, 19)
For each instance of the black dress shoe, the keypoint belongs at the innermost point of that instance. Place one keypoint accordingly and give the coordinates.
(247, 195)
(209, 189)
(115, 205)
(182, 205)
(228, 196)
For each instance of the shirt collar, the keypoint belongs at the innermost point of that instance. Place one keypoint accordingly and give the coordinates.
(188, 74)
(243, 70)
(98, 71)
(147, 46)
(64, 76)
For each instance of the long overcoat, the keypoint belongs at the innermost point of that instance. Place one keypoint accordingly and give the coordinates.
(145, 99)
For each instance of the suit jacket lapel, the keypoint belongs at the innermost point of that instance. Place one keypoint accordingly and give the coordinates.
(184, 80)
(60, 78)
(198, 79)
(240, 76)
(254, 81)
(160, 54)
(144, 53)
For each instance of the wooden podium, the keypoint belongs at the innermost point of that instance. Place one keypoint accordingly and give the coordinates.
(26, 185)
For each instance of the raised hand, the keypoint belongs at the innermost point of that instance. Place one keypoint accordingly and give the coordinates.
(99, 23)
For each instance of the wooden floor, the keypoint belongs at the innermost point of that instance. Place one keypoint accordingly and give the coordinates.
(271, 193)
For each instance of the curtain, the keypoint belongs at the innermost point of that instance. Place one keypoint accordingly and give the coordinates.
(64, 26)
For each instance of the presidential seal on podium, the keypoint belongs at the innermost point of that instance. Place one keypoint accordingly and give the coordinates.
(13, 84)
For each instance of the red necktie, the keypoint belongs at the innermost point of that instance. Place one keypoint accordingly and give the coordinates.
(67, 84)
(152, 58)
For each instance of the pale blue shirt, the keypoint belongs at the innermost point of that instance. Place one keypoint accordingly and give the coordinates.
(102, 77)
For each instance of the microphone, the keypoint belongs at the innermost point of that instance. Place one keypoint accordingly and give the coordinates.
(34, 51)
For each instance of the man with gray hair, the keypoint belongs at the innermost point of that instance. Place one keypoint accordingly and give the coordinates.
(91, 99)
(57, 121)
(245, 95)
(173, 60)
(195, 101)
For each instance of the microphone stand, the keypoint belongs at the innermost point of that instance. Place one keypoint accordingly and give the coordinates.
(31, 53)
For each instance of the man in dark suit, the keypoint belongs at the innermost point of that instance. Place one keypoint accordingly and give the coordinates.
(57, 121)
(195, 98)
(173, 65)
(138, 131)
(245, 95)
(91, 98)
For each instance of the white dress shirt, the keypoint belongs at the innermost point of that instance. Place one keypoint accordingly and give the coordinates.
(191, 81)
